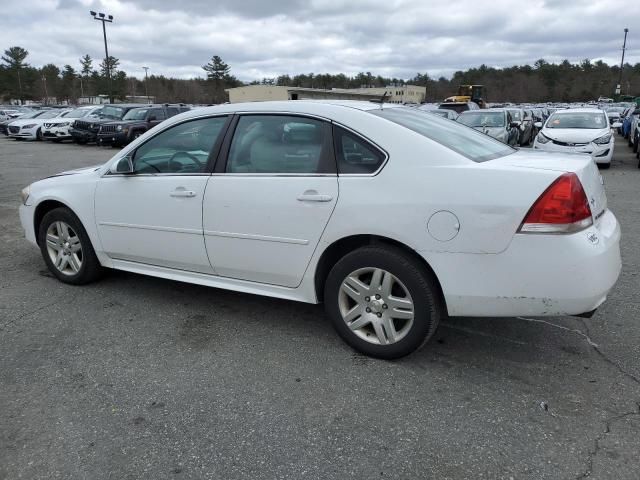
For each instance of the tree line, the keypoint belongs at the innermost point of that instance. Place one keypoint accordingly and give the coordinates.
(543, 81)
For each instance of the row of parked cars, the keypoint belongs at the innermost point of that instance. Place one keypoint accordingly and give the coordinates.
(114, 124)
(630, 128)
(568, 129)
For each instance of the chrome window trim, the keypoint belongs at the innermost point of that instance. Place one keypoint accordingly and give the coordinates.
(224, 174)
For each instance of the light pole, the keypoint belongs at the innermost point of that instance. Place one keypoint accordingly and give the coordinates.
(624, 47)
(146, 82)
(109, 18)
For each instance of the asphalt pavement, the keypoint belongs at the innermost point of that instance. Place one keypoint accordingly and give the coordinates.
(141, 378)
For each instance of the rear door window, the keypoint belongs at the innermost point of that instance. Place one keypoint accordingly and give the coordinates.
(354, 154)
(281, 144)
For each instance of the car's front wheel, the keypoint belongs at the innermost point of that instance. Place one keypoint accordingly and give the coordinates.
(382, 301)
(66, 248)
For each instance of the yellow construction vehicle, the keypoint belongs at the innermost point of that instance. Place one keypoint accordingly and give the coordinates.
(469, 93)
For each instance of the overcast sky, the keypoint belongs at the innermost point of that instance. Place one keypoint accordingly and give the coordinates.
(262, 38)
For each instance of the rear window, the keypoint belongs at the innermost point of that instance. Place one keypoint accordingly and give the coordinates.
(466, 141)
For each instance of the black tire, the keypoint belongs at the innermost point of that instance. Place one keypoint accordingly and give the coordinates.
(604, 166)
(81, 142)
(90, 268)
(39, 134)
(418, 281)
(636, 141)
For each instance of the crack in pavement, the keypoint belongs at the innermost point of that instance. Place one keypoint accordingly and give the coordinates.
(596, 443)
(561, 327)
(27, 314)
(609, 421)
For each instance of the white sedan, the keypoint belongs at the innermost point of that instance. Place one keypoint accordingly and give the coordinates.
(57, 129)
(391, 217)
(30, 127)
(579, 130)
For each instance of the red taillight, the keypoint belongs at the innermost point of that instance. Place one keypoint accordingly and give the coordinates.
(562, 208)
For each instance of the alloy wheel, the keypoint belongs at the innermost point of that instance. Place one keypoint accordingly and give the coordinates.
(64, 248)
(376, 306)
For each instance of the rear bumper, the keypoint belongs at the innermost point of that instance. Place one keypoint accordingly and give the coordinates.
(538, 275)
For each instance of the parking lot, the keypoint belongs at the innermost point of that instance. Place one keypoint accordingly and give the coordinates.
(138, 377)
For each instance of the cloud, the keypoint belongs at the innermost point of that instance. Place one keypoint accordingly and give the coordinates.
(263, 39)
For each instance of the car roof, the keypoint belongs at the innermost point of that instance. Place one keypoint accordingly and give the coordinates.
(311, 107)
(579, 110)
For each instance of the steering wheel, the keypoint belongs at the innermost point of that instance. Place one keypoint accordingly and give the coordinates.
(189, 156)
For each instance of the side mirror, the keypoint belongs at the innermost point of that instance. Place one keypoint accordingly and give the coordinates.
(616, 125)
(538, 124)
(123, 166)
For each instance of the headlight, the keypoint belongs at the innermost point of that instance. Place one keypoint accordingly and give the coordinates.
(541, 138)
(24, 194)
(119, 128)
(603, 140)
(31, 125)
(65, 124)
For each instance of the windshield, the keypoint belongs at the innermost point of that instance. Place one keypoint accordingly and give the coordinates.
(50, 114)
(136, 114)
(516, 115)
(442, 113)
(115, 113)
(578, 120)
(31, 115)
(465, 141)
(482, 119)
(78, 113)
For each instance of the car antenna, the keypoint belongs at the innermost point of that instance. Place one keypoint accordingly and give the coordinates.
(380, 100)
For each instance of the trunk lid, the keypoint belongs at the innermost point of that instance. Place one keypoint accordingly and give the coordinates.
(580, 164)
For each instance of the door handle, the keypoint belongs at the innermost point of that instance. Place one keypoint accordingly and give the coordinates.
(182, 193)
(314, 197)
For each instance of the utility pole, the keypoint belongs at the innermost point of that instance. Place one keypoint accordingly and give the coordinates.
(146, 83)
(46, 94)
(624, 47)
(109, 18)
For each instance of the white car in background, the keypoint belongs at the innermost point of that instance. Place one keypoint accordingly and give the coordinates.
(578, 130)
(391, 217)
(57, 129)
(31, 128)
(6, 114)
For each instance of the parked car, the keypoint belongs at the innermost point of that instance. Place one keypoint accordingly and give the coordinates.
(525, 125)
(634, 131)
(4, 125)
(30, 127)
(245, 197)
(613, 113)
(86, 130)
(584, 130)
(459, 107)
(57, 129)
(496, 123)
(6, 114)
(450, 114)
(136, 122)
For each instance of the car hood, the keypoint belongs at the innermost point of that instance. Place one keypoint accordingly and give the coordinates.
(123, 122)
(28, 121)
(575, 135)
(77, 171)
(56, 121)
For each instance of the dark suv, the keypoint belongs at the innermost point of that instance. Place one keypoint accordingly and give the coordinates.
(135, 122)
(85, 130)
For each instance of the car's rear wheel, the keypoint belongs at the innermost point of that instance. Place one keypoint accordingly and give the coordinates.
(382, 302)
(66, 248)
